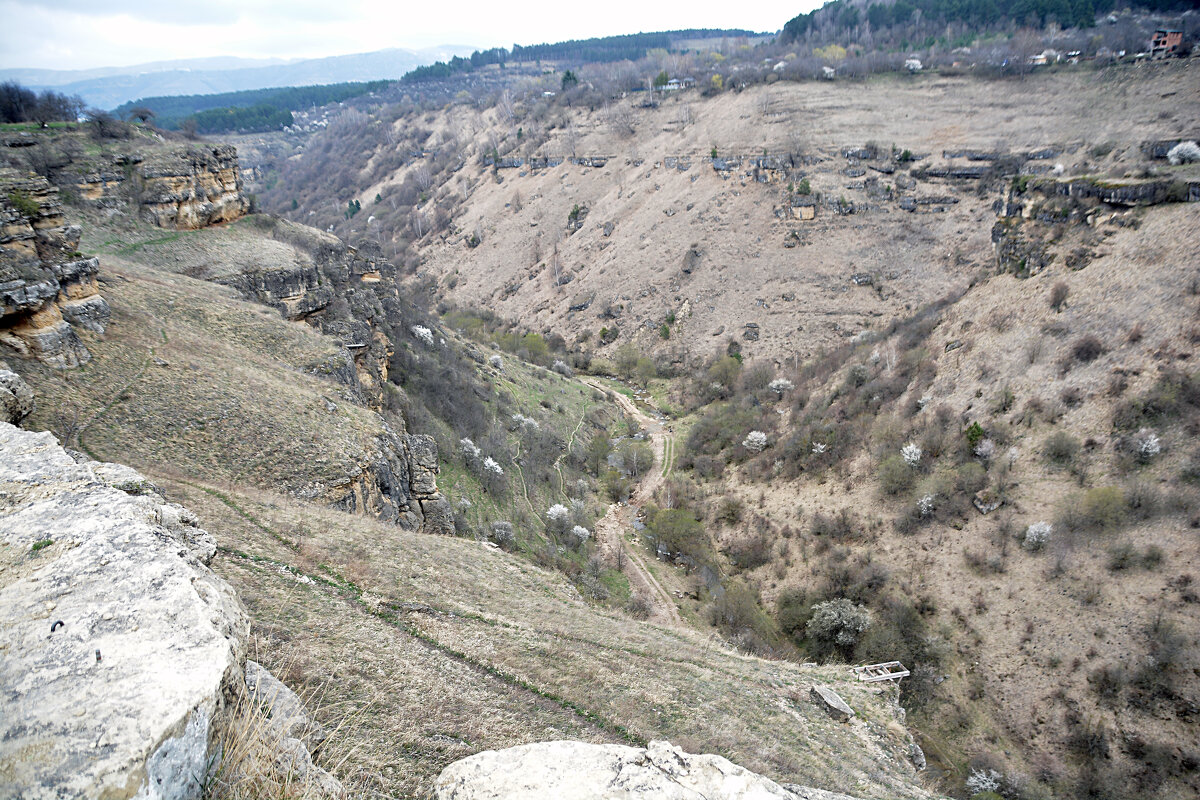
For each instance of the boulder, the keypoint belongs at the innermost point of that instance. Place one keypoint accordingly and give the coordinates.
(832, 702)
(120, 644)
(291, 732)
(16, 398)
(566, 770)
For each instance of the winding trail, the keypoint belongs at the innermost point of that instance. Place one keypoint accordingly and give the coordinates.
(610, 530)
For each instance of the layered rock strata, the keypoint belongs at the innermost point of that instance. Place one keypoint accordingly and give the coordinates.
(190, 188)
(47, 288)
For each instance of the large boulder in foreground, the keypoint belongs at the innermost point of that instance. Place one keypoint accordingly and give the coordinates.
(567, 770)
(119, 644)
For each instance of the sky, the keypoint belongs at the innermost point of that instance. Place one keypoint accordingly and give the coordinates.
(83, 34)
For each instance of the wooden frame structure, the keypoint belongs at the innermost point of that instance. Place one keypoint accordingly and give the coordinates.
(887, 671)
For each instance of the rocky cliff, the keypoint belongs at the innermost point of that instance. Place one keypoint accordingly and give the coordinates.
(47, 288)
(190, 188)
(121, 646)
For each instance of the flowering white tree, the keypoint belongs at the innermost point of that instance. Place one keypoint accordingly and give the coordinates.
(581, 534)
(1184, 153)
(496, 361)
(925, 505)
(470, 450)
(755, 441)
(423, 334)
(781, 385)
(558, 518)
(985, 449)
(491, 465)
(562, 368)
(1036, 535)
(911, 453)
(1147, 444)
(818, 448)
(502, 532)
(987, 780)
(524, 423)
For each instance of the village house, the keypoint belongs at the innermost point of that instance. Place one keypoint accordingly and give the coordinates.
(1166, 43)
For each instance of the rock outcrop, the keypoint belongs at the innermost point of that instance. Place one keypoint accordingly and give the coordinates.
(291, 732)
(47, 288)
(16, 398)
(120, 645)
(579, 771)
(832, 702)
(190, 188)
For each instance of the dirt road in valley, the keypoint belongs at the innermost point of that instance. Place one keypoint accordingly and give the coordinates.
(618, 519)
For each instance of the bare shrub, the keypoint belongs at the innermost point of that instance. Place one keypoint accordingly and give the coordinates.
(1087, 348)
(1058, 295)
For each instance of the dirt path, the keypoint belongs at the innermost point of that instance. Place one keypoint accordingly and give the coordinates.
(618, 518)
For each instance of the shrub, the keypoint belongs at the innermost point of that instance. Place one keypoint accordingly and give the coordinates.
(562, 368)
(1087, 348)
(1099, 509)
(1058, 295)
(911, 453)
(24, 203)
(974, 434)
(836, 625)
(1060, 448)
(895, 475)
(730, 511)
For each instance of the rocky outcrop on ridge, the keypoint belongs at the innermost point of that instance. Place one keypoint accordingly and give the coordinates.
(47, 288)
(121, 647)
(567, 770)
(190, 188)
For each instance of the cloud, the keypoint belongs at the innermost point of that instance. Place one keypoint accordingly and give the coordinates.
(77, 34)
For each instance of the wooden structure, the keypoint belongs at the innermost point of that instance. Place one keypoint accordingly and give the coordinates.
(887, 671)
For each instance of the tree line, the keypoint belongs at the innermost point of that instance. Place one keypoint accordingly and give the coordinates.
(19, 104)
(247, 110)
(600, 49)
(840, 16)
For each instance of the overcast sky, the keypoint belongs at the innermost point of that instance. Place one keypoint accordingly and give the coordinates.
(80, 34)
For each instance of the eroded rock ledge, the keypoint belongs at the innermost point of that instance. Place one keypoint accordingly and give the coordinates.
(568, 770)
(120, 646)
(47, 288)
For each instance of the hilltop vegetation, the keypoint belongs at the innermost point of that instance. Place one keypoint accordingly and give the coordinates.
(247, 111)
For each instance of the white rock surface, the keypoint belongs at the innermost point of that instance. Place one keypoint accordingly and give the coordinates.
(127, 577)
(566, 770)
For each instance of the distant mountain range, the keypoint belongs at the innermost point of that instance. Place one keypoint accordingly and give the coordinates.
(108, 87)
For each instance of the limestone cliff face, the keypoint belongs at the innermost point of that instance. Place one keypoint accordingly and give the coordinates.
(46, 286)
(351, 294)
(398, 484)
(120, 645)
(190, 188)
